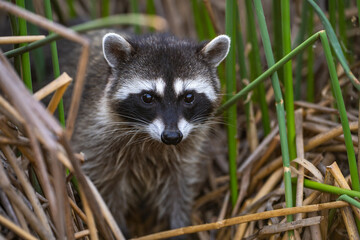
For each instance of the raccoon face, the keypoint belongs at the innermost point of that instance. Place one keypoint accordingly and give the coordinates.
(161, 86)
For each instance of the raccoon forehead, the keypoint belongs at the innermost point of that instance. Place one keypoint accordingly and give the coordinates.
(199, 85)
(136, 86)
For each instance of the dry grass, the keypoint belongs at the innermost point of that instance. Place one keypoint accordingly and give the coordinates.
(33, 143)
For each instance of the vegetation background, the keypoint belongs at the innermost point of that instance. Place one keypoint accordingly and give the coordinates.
(271, 152)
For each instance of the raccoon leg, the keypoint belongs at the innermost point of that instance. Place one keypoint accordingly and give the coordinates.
(121, 221)
(178, 197)
(180, 203)
(117, 205)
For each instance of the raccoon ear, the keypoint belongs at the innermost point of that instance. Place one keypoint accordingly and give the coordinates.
(216, 50)
(115, 48)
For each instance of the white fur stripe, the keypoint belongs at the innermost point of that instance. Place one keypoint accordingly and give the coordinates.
(136, 86)
(198, 85)
(156, 128)
(185, 127)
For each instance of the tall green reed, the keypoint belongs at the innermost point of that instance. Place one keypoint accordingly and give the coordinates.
(332, 13)
(134, 4)
(336, 88)
(310, 83)
(255, 66)
(328, 188)
(203, 25)
(55, 61)
(242, 65)
(38, 54)
(105, 8)
(25, 57)
(15, 32)
(342, 111)
(231, 115)
(342, 27)
(299, 59)
(336, 47)
(279, 105)
(151, 10)
(288, 78)
(270, 71)
(277, 31)
(71, 8)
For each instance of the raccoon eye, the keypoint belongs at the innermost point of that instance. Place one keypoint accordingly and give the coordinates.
(147, 98)
(189, 98)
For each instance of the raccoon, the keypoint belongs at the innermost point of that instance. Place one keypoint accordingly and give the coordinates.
(146, 110)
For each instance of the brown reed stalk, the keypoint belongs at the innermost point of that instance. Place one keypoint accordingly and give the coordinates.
(244, 219)
(20, 39)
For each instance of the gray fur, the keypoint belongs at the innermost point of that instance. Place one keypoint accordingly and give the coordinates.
(130, 169)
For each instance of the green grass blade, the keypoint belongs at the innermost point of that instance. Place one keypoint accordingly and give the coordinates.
(299, 58)
(198, 21)
(203, 25)
(310, 83)
(279, 105)
(230, 29)
(277, 32)
(268, 72)
(105, 8)
(134, 4)
(15, 32)
(151, 10)
(335, 44)
(38, 54)
(55, 61)
(25, 57)
(288, 78)
(350, 200)
(240, 48)
(342, 27)
(342, 111)
(93, 9)
(254, 53)
(332, 14)
(58, 11)
(328, 188)
(242, 68)
(71, 8)
(354, 174)
(255, 66)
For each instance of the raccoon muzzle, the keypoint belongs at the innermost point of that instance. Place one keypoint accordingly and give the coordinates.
(171, 137)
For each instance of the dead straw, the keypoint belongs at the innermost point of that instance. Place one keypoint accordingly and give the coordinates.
(300, 154)
(244, 219)
(20, 39)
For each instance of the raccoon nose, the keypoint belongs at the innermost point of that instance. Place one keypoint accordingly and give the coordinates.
(171, 137)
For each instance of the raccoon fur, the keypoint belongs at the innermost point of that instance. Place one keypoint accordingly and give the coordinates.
(147, 107)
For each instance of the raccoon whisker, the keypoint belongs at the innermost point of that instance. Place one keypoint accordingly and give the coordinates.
(204, 126)
(200, 113)
(131, 141)
(207, 121)
(199, 118)
(135, 116)
(118, 132)
(126, 125)
(123, 123)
